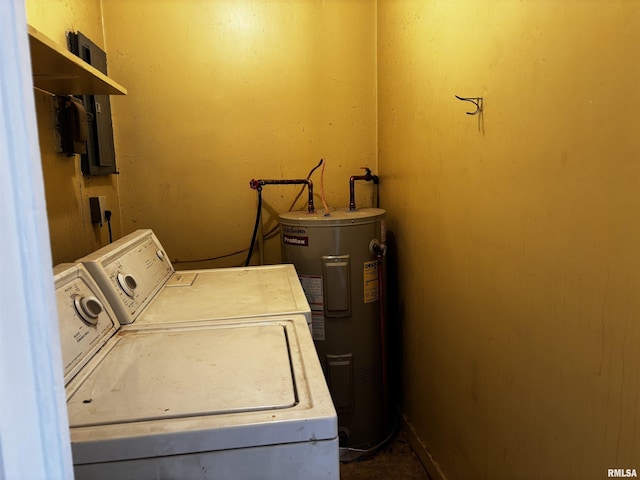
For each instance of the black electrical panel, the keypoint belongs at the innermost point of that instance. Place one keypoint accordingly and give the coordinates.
(100, 158)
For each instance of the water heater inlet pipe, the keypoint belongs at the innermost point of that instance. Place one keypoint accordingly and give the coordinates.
(258, 184)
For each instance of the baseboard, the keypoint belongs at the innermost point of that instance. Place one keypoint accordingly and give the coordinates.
(421, 451)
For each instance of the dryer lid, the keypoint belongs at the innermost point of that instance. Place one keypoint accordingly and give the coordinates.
(222, 293)
(161, 374)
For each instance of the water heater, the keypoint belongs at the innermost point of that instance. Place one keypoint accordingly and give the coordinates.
(340, 265)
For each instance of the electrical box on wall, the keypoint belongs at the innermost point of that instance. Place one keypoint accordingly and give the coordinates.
(72, 125)
(97, 207)
(100, 157)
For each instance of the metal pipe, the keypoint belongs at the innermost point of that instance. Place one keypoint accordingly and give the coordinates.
(383, 339)
(258, 184)
(380, 250)
(352, 190)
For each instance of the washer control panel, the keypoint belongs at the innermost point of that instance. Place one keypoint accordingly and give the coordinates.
(88, 307)
(85, 320)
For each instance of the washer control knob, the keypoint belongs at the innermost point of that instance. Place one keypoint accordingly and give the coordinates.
(160, 254)
(89, 308)
(127, 283)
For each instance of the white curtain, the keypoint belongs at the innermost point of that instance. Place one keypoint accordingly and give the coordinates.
(34, 431)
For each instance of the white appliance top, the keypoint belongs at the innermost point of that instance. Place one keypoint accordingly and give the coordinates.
(164, 390)
(225, 293)
(164, 374)
(139, 281)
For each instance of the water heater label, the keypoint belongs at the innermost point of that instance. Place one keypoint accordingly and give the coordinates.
(312, 286)
(370, 281)
(291, 230)
(295, 240)
(317, 326)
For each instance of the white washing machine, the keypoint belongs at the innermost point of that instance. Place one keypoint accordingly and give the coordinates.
(141, 285)
(227, 400)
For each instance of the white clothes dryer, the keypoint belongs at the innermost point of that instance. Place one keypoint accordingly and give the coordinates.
(212, 399)
(140, 283)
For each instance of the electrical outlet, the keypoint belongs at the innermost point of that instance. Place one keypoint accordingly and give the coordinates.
(97, 206)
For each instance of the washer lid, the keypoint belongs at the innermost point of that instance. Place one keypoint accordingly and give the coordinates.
(167, 374)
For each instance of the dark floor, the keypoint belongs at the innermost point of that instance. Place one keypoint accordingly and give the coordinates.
(396, 461)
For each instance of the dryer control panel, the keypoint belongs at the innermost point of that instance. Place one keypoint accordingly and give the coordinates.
(130, 272)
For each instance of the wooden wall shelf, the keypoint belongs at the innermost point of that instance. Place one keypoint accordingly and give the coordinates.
(59, 72)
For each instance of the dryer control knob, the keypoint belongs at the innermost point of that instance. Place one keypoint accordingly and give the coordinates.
(127, 283)
(89, 308)
(160, 255)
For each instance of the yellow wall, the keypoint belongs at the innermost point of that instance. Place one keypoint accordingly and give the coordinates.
(67, 190)
(219, 93)
(222, 92)
(518, 248)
